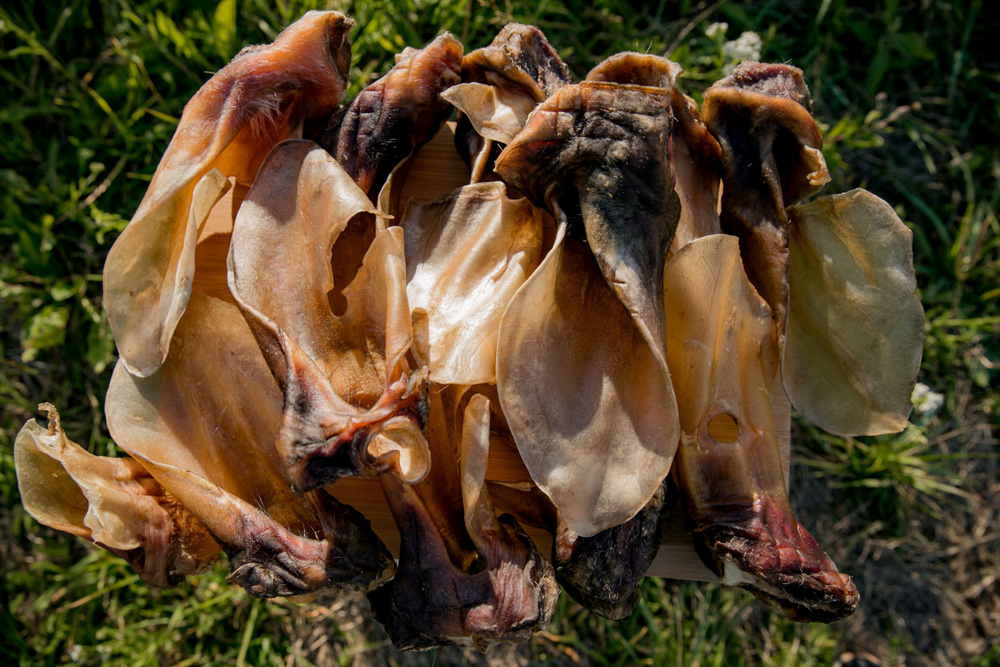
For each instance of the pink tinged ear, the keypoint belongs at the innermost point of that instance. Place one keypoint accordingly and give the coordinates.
(111, 501)
(265, 95)
(855, 323)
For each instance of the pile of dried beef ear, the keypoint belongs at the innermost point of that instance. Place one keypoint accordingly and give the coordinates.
(620, 269)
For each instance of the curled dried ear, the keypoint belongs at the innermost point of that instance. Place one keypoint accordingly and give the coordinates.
(771, 159)
(599, 152)
(466, 255)
(490, 583)
(196, 422)
(396, 115)
(344, 374)
(501, 84)
(266, 94)
(113, 502)
(855, 323)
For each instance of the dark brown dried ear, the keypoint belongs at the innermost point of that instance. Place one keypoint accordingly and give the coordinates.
(603, 572)
(771, 159)
(394, 116)
(501, 84)
(465, 576)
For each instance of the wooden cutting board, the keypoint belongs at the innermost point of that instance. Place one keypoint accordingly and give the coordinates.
(435, 172)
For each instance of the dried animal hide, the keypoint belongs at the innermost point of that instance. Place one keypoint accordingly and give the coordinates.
(771, 159)
(465, 576)
(591, 405)
(723, 354)
(113, 502)
(266, 94)
(352, 404)
(855, 323)
(204, 426)
(501, 84)
(466, 255)
(390, 119)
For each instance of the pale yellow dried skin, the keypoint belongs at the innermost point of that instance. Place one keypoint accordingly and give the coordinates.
(466, 255)
(585, 396)
(289, 243)
(496, 113)
(262, 97)
(855, 323)
(111, 501)
(474, 455)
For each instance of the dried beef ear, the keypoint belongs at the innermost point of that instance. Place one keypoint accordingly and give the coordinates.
(266, 94)
(723, 353)
(465, 577)
(396, 115)
(697, 160)
(196, 422)
(466, 255)
(639, 69)
(603, 572)
(113, 502)
(771, 159)
(587, 401)
(501, 84)
(591, 405)
(855, 323)
(352, 404)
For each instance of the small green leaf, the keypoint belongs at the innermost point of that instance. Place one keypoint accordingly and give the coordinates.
(45, 329)
(224, 25)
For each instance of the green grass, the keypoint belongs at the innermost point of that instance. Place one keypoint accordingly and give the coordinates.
(908, 94)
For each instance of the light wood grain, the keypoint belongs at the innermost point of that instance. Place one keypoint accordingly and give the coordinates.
(435, 172)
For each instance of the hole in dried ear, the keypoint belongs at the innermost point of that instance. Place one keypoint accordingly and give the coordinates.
(723, 428)
(347, 256)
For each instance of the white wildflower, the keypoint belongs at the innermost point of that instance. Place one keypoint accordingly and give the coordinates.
(717, 29)
(925, 399)
(746, 47)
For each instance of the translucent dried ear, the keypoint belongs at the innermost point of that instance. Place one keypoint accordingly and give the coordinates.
(205, 425)
(587, 401)
(466, 255)
(266, 94)
(337, 350)
(723, 353)
(113, 502)
(855, 323)
(496, 113)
